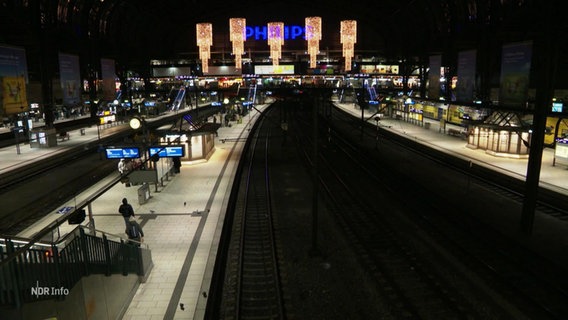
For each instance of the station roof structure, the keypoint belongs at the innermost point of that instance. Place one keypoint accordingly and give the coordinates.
(140, 30)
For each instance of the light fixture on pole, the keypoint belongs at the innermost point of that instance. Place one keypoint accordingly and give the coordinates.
(313, 36)
(204, 42)
(275, 40)
(237, 29)
(348, 39)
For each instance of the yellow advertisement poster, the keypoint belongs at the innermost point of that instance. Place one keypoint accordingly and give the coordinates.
(14, 98)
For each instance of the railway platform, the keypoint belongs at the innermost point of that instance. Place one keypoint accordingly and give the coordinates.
(182, 220)
(549, 237)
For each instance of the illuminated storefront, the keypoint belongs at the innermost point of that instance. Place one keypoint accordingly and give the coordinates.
(502, 134)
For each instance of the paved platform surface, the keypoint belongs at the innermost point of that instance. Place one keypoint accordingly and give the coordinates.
(182, 221)
(552, 177)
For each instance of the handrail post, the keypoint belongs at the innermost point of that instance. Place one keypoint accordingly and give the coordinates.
(140, 261)
(14, 274)
(56, 266)
(84, 250)
(107, 255)
(125, 253)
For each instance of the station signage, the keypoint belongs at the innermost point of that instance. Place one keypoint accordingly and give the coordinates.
(122, 152)
(557, 106)
(291, 32)
(167, 151)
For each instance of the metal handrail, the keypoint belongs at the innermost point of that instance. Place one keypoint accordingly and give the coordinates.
(64, 263)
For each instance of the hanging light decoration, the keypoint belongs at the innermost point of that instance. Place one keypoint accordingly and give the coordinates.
(204, 42)
(348, 39)
(275, 40)
(313, 36)
(238, 36)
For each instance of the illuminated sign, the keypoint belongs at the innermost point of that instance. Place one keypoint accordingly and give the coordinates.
(290, 32)
(270, 69)
(379, 69)
(124, 152)
(557, 106)
(167, 151)
(107, 119)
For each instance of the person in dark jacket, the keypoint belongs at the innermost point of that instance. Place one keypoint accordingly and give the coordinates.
(134, 232)
(126, 210)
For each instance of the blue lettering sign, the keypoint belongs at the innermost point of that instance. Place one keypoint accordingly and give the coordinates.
(249, 32)
(297, 31)
(261, 33)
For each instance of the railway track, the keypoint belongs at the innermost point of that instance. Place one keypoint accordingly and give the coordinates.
(413, 287)
(45, 191)
(253, 287)
(522, 290)
(400, 209)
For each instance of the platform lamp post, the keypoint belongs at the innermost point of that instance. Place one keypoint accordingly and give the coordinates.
(314, 250)
(377, 119)
(100, 148)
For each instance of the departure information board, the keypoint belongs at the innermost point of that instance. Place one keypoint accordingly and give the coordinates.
(167, 151)
(122, 152)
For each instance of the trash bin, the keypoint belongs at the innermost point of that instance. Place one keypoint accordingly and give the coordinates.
(83, 131)
(426, 125)
(143, 193)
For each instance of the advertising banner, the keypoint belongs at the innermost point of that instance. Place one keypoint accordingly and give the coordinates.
(515, 72)
(108, 73)
(434, 77)
(466, 75)
(379, 69)
(224, 71)
(70, 77)
(13, 95)
(13, 79)
(13, 62)
(270, 69)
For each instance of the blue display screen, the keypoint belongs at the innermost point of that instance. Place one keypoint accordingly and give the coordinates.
(125, 152)
(168, 151)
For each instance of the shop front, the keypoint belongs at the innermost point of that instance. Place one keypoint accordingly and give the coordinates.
(504, 142)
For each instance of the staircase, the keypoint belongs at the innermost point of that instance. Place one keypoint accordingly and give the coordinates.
(31, 272)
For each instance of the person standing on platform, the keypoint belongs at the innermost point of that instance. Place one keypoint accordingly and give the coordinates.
(134, 232)
(177, 164)
(122, 166)
(126, 211)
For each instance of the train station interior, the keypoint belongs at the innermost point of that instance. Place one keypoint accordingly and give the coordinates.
(107, 102)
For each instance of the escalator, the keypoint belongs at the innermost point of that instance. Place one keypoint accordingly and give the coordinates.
(372, 98)
(251, 96)
(179, 101)
(347, 94)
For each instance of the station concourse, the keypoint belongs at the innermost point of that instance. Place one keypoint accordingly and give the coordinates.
(182, 220)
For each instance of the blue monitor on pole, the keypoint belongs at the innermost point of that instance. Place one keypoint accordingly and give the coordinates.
(167, 151)
(122, 152)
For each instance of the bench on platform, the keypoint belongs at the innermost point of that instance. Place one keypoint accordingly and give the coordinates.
(457, 133)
